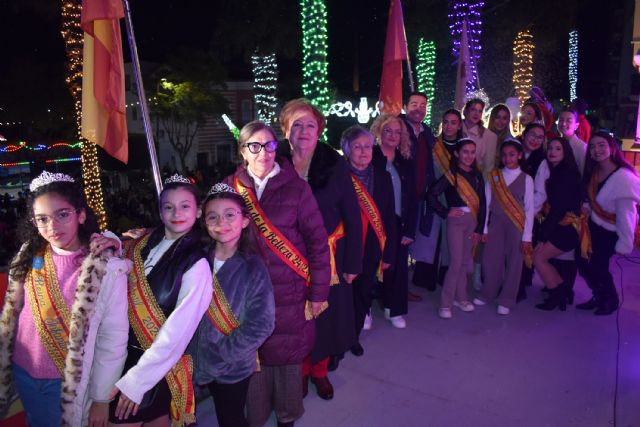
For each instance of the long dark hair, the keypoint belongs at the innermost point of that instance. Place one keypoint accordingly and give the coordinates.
(455, 167)
(568, 161)
(454, 112)
(616, 155)
(470, 103)
(248, 242)
(518, 146)
(28, 233)
(174, 186)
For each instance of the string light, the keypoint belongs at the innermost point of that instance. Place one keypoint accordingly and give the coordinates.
(363, 112)
(315, 85)
(426, 72)
(23, 145)
(50, 161)
(573, 64)
(265, 73)
(232, 127)
(523, 64)
(73, 37)
(469, 11)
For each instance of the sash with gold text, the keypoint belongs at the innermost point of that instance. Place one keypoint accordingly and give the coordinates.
(466, 192)
(370, 214)
(510, 206)
(146, 318)
(51, 314)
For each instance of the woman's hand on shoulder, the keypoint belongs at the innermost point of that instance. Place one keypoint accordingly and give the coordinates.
(135, 233)
(101, 243)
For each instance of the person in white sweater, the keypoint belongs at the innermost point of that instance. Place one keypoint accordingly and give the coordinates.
(567, 126)
(613, 188)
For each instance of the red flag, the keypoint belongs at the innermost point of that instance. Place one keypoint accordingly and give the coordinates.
(395, 51)
(103, 104)
(464, 72)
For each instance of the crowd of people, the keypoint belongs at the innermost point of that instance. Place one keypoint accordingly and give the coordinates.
(99, 329)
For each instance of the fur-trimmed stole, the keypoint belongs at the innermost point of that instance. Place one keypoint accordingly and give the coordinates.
(92, 271)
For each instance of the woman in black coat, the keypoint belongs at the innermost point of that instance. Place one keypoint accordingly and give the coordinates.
(393, 153)
(328, 175)
(375, 192)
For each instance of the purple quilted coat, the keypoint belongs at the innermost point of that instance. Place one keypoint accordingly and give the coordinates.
(289, 204)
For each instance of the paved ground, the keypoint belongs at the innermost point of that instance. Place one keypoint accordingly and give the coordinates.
(530, 368)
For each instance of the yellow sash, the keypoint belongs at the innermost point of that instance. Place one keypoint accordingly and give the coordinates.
(337, 234)
(466, 192)
(277, 242)
(51, 314)
(581, 225)
(441, 155)
(510, 206)
(146, 318)
(371, 215)
(219, 312)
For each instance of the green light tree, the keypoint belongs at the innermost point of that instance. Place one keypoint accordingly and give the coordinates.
(315, 85)
(426, 72)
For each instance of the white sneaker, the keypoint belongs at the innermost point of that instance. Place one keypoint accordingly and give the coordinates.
(445, 313)
(503, 310)
(398, 322)
(464, 306)
(367, 322)
(479, 302)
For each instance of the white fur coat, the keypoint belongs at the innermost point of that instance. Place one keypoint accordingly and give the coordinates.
(98, 336)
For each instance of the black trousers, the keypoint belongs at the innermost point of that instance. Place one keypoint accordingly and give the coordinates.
(596, 270)
(395, 284)
(229, 400)
(362, 286)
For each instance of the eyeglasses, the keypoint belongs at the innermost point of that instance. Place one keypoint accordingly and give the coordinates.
(535, 137)
(390, 132)
(62, 216)
(228, 217)
(256, 147)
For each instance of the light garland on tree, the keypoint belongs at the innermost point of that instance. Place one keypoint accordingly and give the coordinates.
(73, 37)
(523, 64)
(232, 127)
(467, 10)
(265, 74)
(573, 64)
(315, 85)
(426, 72)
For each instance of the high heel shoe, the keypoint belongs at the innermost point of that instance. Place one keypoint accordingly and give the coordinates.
(557, 298)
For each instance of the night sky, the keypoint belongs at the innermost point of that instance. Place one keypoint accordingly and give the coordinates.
(32, 53)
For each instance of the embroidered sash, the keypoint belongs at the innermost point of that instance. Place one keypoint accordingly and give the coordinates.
(370, 215)
(511, 207)
(581, 225)
(277, 242)
(219, 312)
(146, 318)
(337, 234)
(441, 155)
(51, 314)
(466, 192)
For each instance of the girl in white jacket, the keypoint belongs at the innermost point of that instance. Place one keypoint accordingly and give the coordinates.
(613, 188)
(64, 326)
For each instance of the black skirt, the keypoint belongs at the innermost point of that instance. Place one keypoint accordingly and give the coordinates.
(155, 402)
(563, 237)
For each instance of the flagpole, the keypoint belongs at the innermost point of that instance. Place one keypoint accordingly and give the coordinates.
(409, 71)
(142, 97)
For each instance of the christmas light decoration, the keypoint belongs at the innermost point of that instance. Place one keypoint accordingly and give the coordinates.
(426, 72)
(467, 10)
(23, 145)
(363, 112)
(265, 74)
(73, 37)
(573, 64)
(315, 85)
(50, 161)
(232, 127)
(523, 64)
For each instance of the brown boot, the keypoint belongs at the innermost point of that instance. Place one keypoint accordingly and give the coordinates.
(323, 387)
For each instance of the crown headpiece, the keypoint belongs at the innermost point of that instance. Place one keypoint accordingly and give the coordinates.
(46, 178)
(221, 187)
(177, 178)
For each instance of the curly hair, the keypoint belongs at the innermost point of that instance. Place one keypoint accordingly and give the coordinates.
(297, 105)
(378, 126)
(33, 242)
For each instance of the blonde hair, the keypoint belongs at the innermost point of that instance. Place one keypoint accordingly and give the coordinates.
(378, 125)
(296, 105)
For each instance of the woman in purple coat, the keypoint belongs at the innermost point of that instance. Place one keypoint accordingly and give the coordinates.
(294, 242)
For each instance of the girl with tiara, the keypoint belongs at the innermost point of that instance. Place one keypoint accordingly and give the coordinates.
(64, 327)
(169, 292)
(241, 315)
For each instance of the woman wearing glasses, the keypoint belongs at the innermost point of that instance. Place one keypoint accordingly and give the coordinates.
(294, 244)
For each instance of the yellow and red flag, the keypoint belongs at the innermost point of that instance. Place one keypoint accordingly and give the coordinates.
(395, 51)
(103, 104)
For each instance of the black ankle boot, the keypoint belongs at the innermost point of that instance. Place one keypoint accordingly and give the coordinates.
(557, 298)
(289, 424)
(588, 305)
(606, 307)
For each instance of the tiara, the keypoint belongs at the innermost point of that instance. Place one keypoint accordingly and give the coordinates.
(221, 187)
(47, 178)
(177, 178)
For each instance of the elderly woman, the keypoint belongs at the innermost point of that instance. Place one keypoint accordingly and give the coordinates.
(288, 220)
(375, 196)
(328, 175)
(393, 152)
